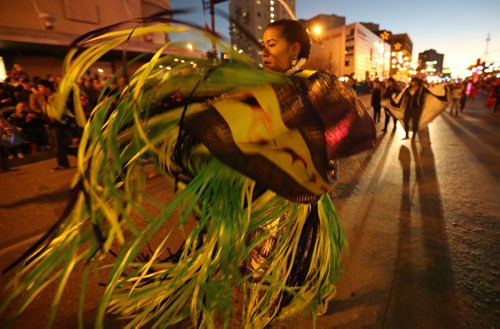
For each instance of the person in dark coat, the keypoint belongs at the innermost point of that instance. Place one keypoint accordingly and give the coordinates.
(391, 89)
(375, 101)
(413, 100)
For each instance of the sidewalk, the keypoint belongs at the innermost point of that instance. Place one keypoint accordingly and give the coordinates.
(32, 158)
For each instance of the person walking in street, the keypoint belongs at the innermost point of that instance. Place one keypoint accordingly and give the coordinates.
(463, 97)
(456, 96)
(413, 100)
(375, 100)
(390, 90)
(495, 94)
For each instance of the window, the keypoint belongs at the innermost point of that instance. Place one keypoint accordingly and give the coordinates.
(3, 72)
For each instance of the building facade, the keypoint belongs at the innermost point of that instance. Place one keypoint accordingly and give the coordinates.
(328, 51)
(36, 34)
(401, 51)
(430, 62)
(401, 56)
(350, 50)
(367, 55)
(254, 16)
(326, 22)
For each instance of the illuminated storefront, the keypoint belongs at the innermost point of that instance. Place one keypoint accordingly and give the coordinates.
(367, 56)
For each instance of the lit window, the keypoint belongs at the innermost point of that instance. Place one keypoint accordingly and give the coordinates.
(3, 71)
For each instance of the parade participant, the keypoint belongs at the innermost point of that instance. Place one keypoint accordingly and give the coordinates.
(414, 100)
(418, 105)
(456, 95)
(247, 151)
(390, 90)
(375, 100)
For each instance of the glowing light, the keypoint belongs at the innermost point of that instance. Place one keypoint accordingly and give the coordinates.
(100, 70)
(317, 29)
(189, 46)
(3, 71)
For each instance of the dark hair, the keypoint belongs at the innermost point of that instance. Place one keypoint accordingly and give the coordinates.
(293, 31)
(417, 80)
(391, 80)
(45, 83)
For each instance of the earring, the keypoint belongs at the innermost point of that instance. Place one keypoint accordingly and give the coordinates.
(293, 61)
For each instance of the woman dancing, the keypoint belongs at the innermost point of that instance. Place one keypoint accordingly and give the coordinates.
(247, 151)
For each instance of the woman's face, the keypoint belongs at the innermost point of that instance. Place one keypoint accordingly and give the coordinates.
(277, 52)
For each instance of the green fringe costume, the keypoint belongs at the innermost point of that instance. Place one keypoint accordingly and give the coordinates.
(248, 152)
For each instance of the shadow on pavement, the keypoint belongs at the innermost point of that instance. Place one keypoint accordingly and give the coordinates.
(482, 143)
(423, 280)
(344, 188)
(58, 195)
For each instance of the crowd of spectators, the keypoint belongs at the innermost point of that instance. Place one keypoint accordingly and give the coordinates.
(26, 128)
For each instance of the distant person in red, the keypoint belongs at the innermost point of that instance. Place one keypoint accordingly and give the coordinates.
(473, 91)
(496, 95)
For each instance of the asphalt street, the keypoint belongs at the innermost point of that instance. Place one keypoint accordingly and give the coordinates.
(422, 218)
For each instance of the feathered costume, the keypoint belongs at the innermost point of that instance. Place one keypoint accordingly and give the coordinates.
(247, 151)
(435, 101)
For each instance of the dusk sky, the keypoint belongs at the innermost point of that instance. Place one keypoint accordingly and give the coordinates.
(458, 28)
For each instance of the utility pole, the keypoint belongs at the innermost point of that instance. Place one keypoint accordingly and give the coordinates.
(210, 5)
(487, 45)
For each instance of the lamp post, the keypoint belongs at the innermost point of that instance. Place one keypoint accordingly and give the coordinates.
(210, 4)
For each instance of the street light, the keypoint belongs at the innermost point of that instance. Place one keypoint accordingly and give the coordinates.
(189, 46)
(317, 30)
